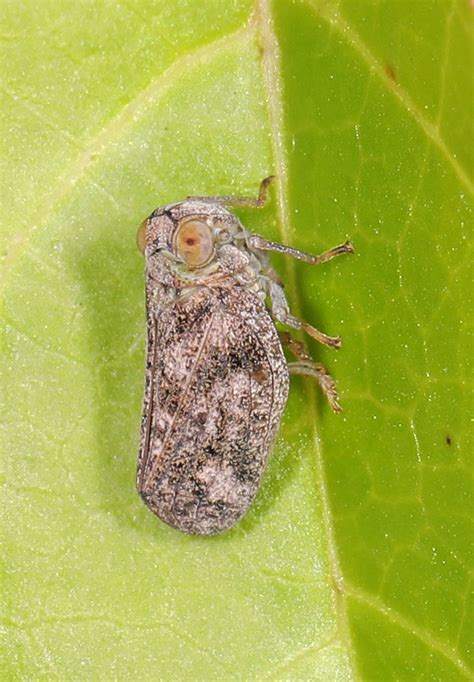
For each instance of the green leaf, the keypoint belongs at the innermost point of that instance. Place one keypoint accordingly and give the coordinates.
(354, 561)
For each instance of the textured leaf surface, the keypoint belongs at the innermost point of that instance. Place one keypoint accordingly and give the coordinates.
(354, 562)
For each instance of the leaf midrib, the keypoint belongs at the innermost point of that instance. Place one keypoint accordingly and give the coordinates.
(271, 76)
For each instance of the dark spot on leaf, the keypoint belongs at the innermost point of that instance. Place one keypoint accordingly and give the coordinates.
(391, 72)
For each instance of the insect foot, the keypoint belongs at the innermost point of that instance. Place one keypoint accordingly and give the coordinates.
(216, 379)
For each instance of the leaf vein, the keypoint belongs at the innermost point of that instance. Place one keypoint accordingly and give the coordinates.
(411, 627)
(336, 20)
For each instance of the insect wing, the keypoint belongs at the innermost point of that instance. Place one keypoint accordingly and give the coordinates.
(218, 386)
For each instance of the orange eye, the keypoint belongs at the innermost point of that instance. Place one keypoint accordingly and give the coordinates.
(194, 243)
(141, 236)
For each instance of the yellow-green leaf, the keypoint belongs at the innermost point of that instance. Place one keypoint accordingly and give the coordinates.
(354, 562)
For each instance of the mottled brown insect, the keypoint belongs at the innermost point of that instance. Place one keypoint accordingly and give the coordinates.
(216, 378)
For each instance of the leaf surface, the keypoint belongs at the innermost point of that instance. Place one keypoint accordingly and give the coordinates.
(353, 563)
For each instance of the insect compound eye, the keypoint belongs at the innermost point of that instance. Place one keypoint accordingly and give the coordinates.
(141, 236)
(194, 243)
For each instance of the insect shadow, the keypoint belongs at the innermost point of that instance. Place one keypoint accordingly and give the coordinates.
(110, 276)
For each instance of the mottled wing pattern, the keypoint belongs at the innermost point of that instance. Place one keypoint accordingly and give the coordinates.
(220, 384)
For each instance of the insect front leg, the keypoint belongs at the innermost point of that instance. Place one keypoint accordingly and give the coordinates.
(255, 241)
(281, 312)
(306, 366)
(251, 202)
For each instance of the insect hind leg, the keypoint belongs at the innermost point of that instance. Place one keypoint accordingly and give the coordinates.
(307, 367)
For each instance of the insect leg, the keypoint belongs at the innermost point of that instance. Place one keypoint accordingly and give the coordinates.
(308, 367)
(258, 242)
(251, 202)
(281, 312)
(325, 380)
(297, 348)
